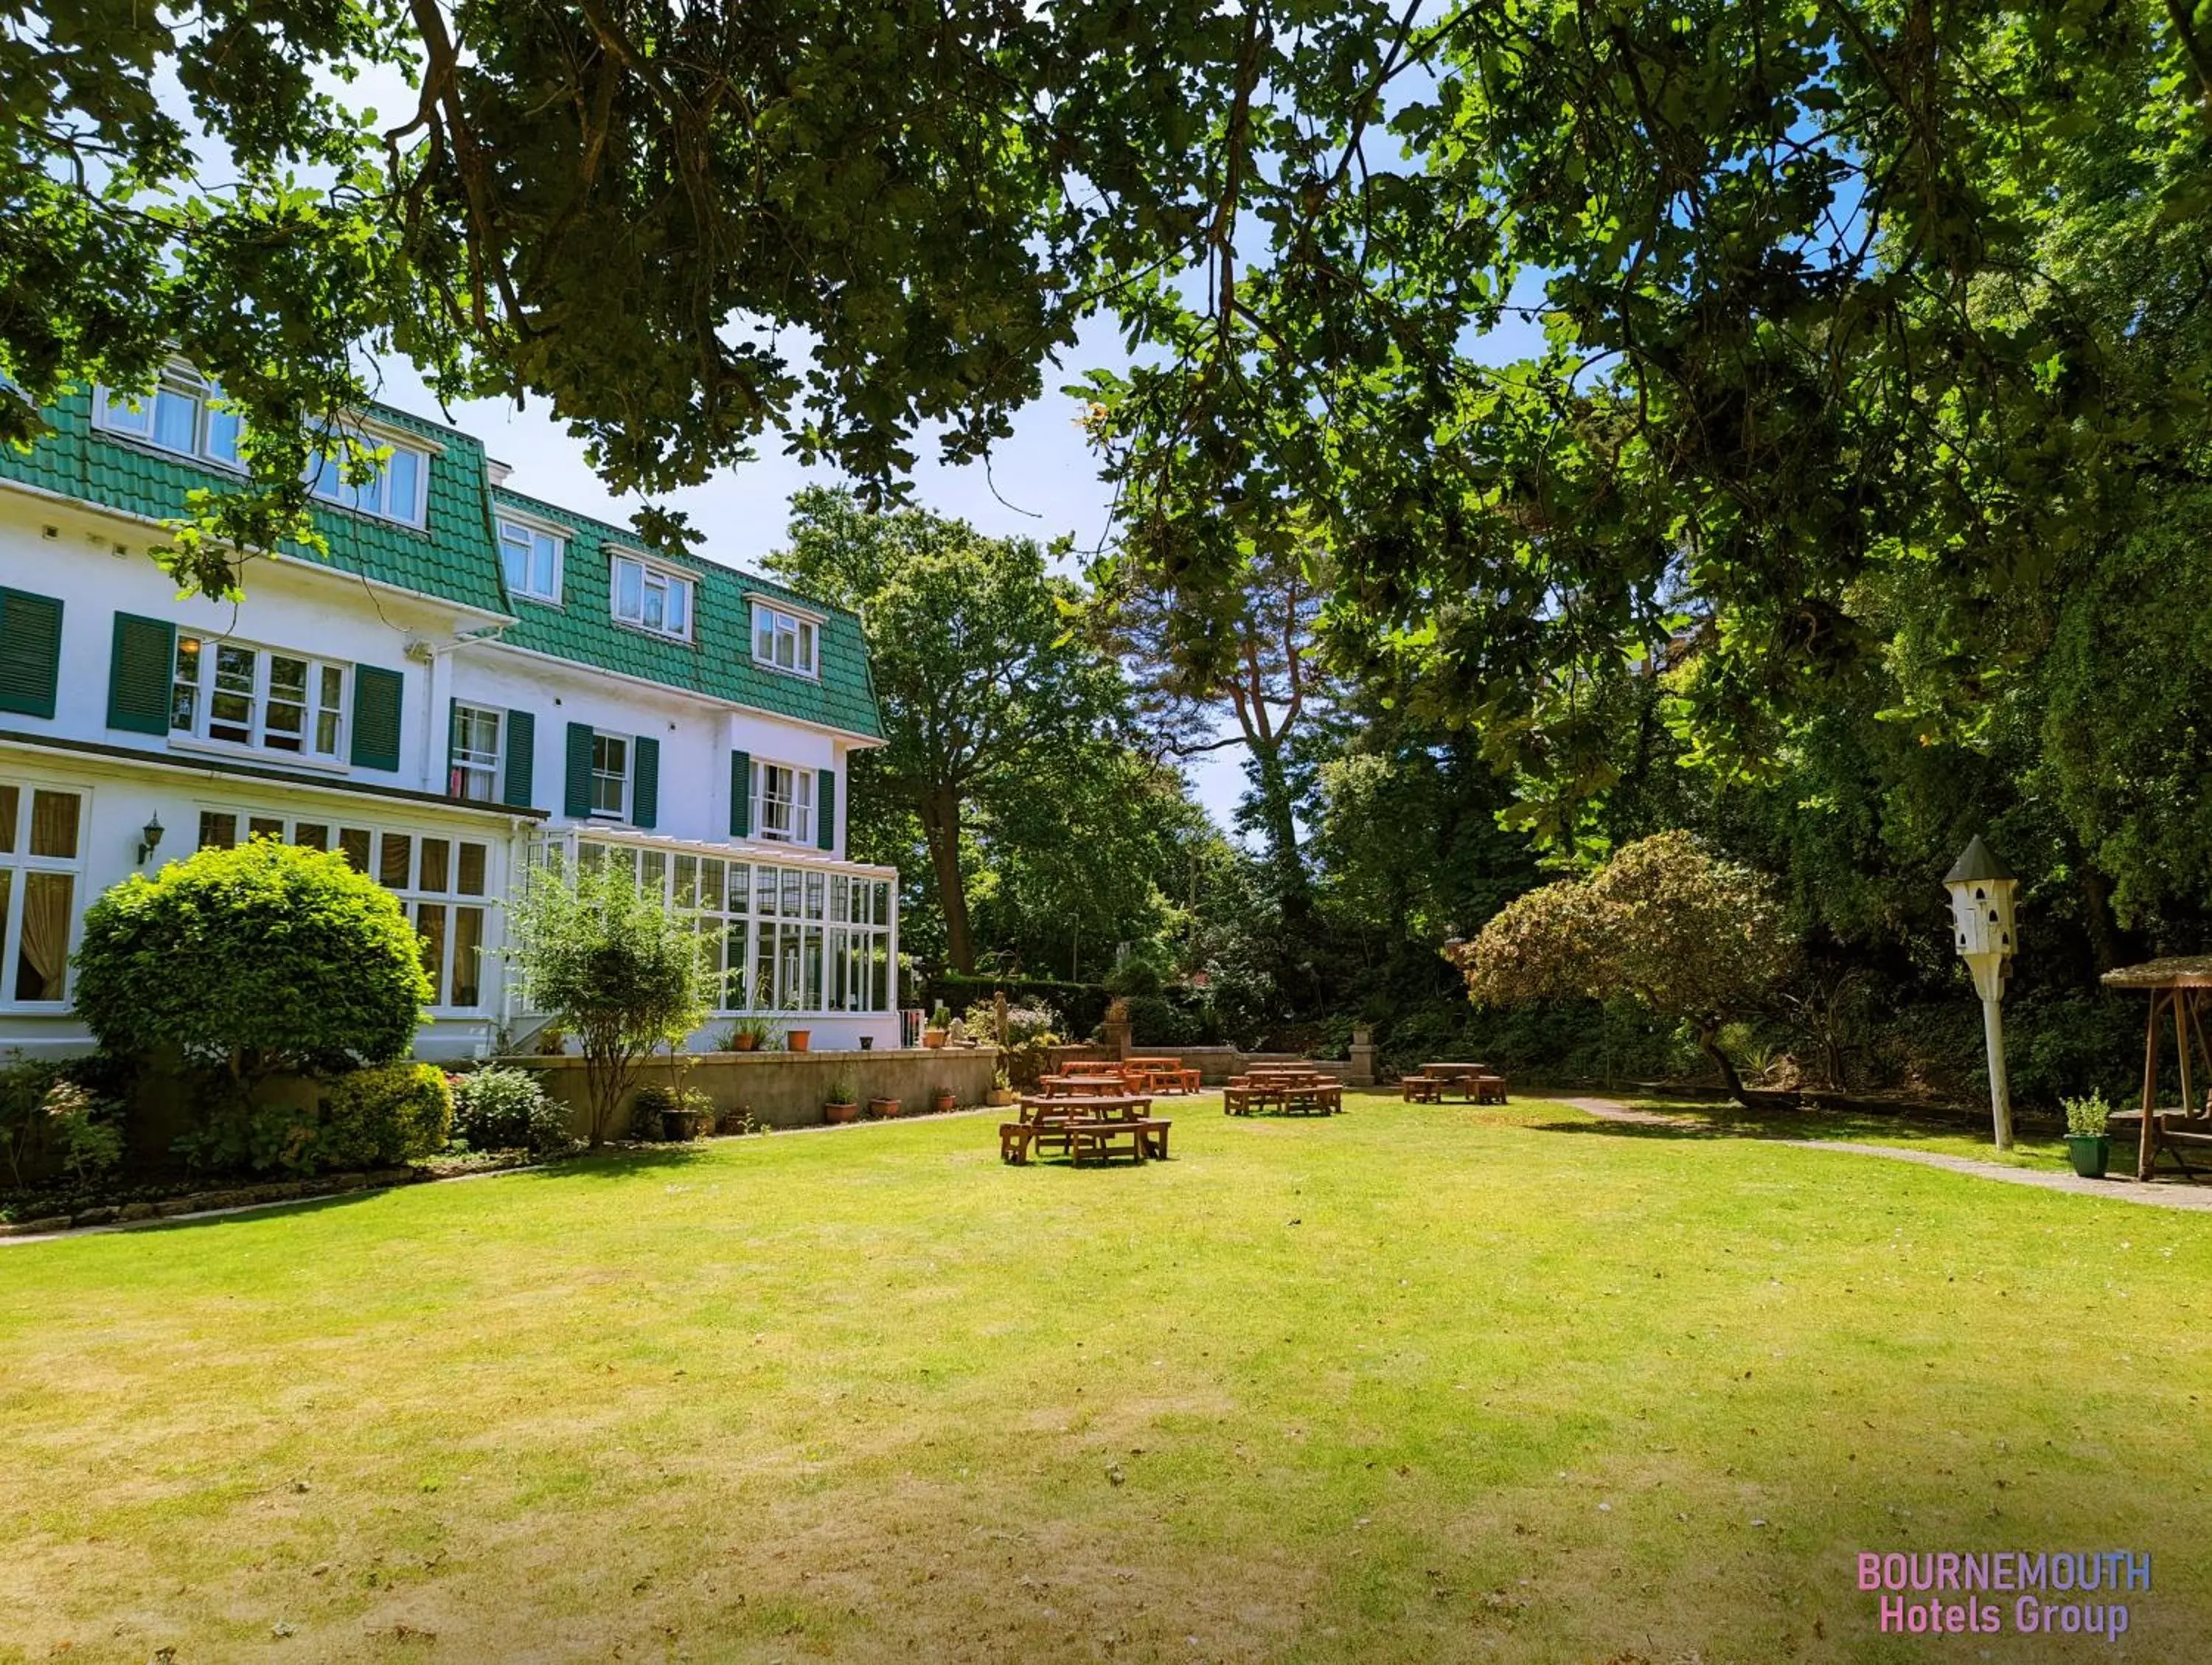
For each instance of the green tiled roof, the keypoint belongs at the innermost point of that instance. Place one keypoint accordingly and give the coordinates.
(717, 660)
(453, 557)
(456, 557)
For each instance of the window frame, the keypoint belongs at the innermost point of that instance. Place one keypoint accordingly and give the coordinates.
(374, 838)
(805, 628)
(20, 864)
(506, 520)
(669, 577)
(208, 650)
(779, 917)
(176, 381)
(343, 495)
(628, 774)
(461, 761)
(802, 803)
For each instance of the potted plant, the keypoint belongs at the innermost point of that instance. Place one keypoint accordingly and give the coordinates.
(799, 1040)
(883, 1108)
(843, 1105)
(752, 1035)
(2087, 1142)
(940, 1022)
(1002, 1087)
(692, 1116)
(942, 1101)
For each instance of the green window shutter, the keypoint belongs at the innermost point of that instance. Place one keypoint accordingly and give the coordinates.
(376, 696)
(138, 671)
(452, 748)
(578, 793)
(741, 795)
(521, 757)
(645, 784)
(825, 809)
(30, 651)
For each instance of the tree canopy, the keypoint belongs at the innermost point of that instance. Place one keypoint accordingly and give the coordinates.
(1694, 938)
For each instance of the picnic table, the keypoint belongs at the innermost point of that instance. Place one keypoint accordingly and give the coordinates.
(1085, 1125)
(1476, 1082)
(1286, 1089)
(1163, 1075)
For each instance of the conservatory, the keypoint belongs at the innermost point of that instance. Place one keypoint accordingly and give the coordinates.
(794, 934)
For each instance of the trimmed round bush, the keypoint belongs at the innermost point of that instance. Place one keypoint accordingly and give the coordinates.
(373, 1118)
(507, 1109)
(263, 958)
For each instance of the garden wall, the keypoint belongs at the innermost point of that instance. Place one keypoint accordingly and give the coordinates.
(788, 1089)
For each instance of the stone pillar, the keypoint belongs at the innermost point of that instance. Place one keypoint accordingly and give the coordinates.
(1113, 1034)
(1360, 1072)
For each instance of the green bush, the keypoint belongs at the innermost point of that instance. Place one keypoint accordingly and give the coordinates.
(256, 960)
(507, 1109)
(373, 1118)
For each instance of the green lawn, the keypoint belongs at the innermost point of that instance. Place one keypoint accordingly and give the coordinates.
(1417, 1382)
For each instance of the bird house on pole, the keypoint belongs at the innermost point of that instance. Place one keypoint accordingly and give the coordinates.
(1981, 888)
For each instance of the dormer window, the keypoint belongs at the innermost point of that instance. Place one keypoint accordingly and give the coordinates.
(783, 641)
(394, 492)
(652, 599)
(532, 556)
(180, 415)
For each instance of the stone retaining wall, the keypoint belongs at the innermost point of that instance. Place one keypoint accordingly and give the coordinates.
(788, 1089)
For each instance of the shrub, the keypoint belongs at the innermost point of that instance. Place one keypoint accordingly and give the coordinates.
(24, 1085)
(507, 1109)
(86, 1130)
(375, 1117)
(264, 958)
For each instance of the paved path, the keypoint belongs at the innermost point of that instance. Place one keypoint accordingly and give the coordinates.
(2116, 1188)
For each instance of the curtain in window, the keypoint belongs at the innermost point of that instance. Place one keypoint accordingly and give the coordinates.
(42, 962)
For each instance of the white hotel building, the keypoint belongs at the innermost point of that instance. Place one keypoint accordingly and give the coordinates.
(471, 677)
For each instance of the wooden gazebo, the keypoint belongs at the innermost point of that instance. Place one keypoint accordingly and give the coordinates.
(2177, 988)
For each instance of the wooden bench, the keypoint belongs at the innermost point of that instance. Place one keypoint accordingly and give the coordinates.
(1420, 1089)
(1489, 1089)
(1104, 1140)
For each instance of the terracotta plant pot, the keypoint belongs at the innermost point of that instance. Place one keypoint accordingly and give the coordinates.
(684, 1124)
(745, 1042)
(943, 1102)
(932, 1038)
(840, 1112)
(799, 1040)
(1001, 1097)
(885, 1109)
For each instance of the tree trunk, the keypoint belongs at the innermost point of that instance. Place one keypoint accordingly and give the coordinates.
(1709, 1043)
(2106, 943)
(1280, 823)
(940, 829)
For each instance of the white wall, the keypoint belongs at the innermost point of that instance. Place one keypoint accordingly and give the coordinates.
(97, 567)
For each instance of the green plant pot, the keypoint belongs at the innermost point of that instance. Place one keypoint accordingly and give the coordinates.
(2090, 1151)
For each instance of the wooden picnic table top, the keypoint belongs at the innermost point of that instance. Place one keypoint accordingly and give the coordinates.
(1455, 1069)
(1098, 1103)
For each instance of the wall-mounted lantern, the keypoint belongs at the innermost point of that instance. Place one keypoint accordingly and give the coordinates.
(150, 838)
